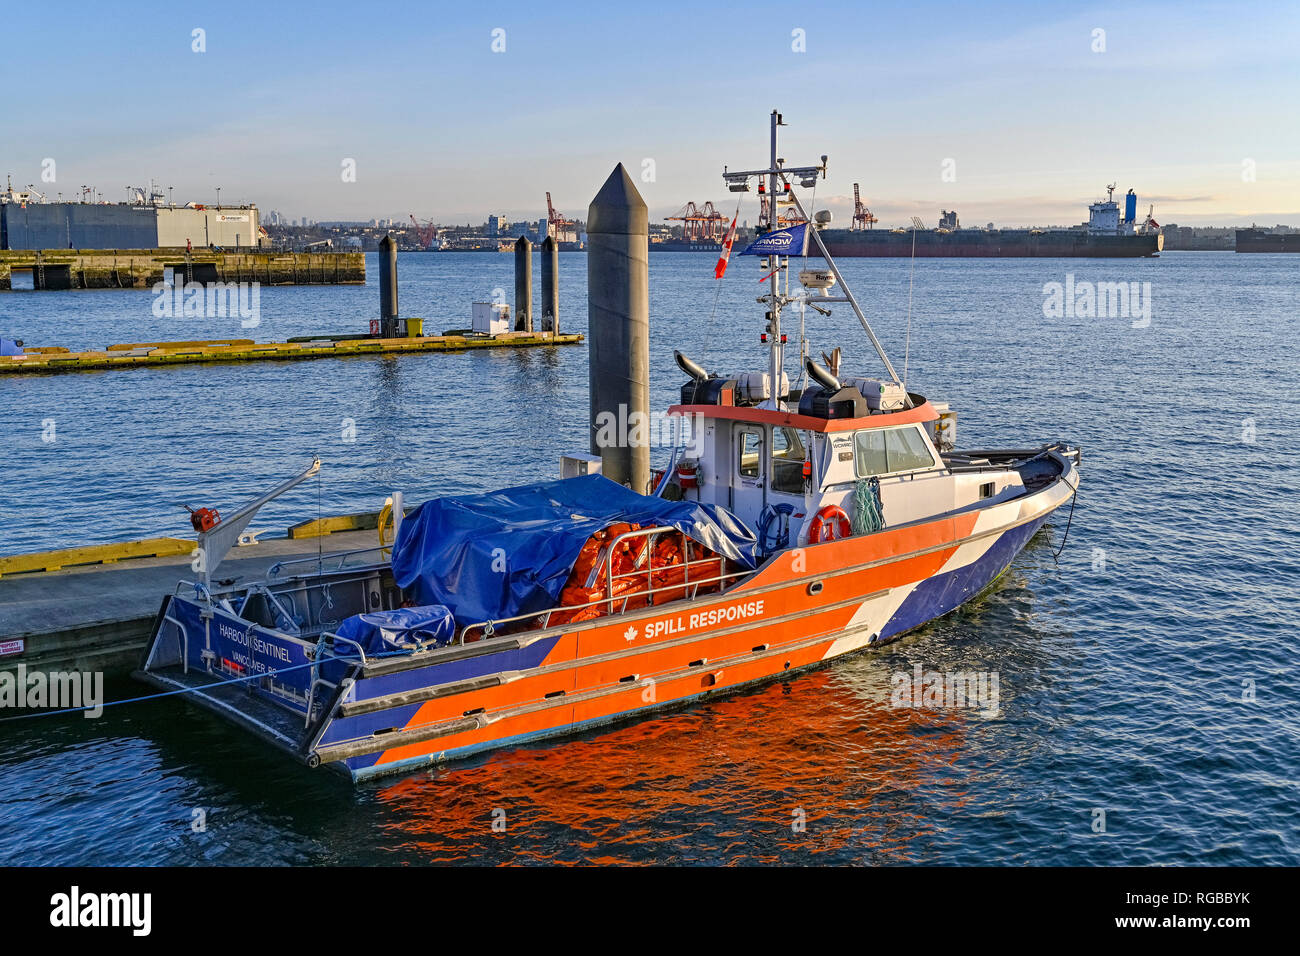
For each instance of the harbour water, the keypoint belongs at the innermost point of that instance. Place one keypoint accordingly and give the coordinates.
(1146, 676)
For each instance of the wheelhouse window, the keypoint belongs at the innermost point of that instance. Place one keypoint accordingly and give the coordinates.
(870, 456)
(787, 460)
(750, 450)
(907, 449)
(883, 451)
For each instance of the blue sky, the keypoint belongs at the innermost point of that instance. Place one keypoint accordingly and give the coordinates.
(1183, 100)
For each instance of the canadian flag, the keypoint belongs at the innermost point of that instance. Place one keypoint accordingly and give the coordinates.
(721, 268)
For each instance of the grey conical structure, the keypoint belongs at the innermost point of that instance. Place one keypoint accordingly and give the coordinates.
(550, 285)
(523, 285)
(387, 287)
(618, 330)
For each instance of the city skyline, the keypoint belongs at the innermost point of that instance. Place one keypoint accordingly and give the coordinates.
(1006, 113)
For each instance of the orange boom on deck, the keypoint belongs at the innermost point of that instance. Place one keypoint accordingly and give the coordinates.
(658, 567)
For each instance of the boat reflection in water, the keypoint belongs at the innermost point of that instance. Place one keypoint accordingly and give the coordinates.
(835, 769)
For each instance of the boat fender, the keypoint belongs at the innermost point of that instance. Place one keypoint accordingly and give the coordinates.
(780, 514)
(830, 524)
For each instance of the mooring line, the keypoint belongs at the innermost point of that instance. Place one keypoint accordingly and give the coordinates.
(1066, 537)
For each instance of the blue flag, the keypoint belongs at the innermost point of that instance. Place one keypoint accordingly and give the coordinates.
(791, 241)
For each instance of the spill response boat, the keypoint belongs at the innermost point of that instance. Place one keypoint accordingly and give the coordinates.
(797, 525)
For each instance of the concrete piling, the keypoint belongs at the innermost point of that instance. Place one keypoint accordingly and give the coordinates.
(550, 285)
(618, 319)
(388, 288)
(523, 285)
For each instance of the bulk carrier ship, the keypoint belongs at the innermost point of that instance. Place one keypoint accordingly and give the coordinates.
(1106, 236)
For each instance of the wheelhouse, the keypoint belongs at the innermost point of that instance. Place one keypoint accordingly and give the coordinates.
(766, 464)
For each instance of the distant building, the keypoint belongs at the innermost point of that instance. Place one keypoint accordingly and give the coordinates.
(64, 225)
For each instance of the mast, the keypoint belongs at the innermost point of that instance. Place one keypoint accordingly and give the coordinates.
(848, 297)
(774, 297)
(777, 174)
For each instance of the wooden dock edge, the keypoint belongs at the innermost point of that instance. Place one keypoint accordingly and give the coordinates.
(94, 554)
(47, 361)
(45, 561)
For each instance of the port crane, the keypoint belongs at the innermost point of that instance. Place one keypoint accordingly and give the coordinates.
(700, 223)
(557, 226)
(862, 216)
(426, 233)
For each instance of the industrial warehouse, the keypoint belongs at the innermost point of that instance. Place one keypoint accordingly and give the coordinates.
(27, 223)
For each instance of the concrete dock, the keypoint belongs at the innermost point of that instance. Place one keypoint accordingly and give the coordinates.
(59, 269)
(98, 617)
(50, 359)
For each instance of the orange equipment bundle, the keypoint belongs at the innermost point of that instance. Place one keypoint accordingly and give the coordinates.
(635, 576)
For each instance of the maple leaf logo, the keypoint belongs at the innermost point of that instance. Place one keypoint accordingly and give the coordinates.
(630, 634)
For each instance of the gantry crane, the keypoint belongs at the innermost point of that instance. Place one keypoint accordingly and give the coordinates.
(700, 223)
(862, 217)
(557, 227)
(427, 233)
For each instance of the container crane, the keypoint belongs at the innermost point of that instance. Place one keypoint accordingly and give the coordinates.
(862, 217)
(701, 223)
(426, 233)
(559, 228)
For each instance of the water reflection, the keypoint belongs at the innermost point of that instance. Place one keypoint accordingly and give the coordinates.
(818, 765)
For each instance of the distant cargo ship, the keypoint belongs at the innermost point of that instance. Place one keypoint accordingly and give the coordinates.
(1257, 240)
(1106, 236)
(686, 245)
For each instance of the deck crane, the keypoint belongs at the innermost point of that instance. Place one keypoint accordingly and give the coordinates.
(1151, 225)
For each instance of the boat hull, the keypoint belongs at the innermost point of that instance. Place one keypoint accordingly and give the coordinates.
(802, 608)
(975, 243)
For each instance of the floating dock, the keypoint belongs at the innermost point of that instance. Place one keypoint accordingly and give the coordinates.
(92, 608)
(51, 359)
(62, 269)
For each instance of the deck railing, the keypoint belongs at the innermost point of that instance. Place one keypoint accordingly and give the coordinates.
(688, 587)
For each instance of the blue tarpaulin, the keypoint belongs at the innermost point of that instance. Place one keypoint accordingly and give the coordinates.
(506, 553)
(402, 629)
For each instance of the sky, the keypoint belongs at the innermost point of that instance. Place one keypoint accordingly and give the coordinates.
(1012, 113)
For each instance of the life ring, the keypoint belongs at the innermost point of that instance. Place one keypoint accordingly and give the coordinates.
(830, 524)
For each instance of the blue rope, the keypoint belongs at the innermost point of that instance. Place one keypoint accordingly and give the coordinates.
(187, 690)
(869, 511)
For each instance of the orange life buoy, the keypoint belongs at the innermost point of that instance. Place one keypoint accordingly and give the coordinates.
(830, 524)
